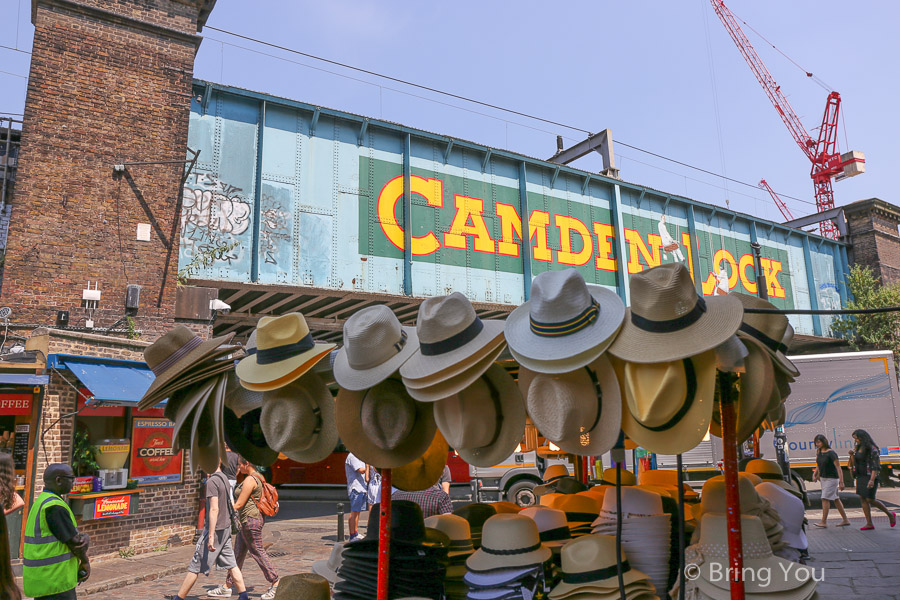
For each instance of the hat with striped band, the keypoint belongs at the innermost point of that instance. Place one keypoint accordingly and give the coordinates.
(508, 541)
(565, 325)
(770, 329)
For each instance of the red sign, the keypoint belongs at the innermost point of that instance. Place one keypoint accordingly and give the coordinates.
(112, 506)
(153, 460)
(15, 404)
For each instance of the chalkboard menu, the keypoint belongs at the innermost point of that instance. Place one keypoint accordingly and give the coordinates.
(20, 446)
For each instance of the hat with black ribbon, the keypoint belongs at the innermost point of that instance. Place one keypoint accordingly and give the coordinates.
(770, 329)
(669, 321)
(589, 566)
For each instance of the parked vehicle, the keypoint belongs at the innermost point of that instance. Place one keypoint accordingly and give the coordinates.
(514, 479)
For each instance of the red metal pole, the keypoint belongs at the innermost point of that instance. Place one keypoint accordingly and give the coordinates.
(384, 535)
(585, 474)
(732, 496)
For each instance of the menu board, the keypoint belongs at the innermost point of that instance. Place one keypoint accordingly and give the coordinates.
(20, 446)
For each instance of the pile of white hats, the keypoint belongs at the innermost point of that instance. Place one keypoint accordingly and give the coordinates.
(457, 529)
(791, 515)
(590, 572)
(646, 532)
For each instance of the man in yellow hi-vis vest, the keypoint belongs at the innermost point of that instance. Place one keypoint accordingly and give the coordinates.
(55, 558)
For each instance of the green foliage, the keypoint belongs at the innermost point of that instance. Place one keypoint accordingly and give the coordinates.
(131, 331)
(126, 552)
(83, 462)
(879, 331)
(205, 258)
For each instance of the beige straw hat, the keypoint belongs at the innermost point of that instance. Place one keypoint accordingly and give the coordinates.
(508, 541)
(756, 390)
(383, 426)
(579, 411)
(551, 524)
(424, 471)
(626, 478)
(484, 422)
(668, 321)
(328, 568)
(303, 586)
(769, 470)
(589, 567)
(769, 329)
(375, 347)
(298, 420)
(457, 529)
(444, 388)
(566, 323)
(285, 351)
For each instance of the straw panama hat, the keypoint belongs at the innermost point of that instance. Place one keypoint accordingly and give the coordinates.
(303, 586)
(756, 389)
(285, 351)
(504, 506)
(457, 529)
(328, 568)
(668, 406)
(449, 333)
(769, 329)
(579, 509)
(551, 523)
(626, 478)
(552, 499)
(424, 471)
(589, 563)
(173, 355)
(454, 383)
(580, 411)
(298, 420)
(668, 321)
(554, 472)
(566, 323)
(791, 510)
(375, 347)
(636, 502)
(383, 426)
(768, 470)
(508, 541)
(485, 421)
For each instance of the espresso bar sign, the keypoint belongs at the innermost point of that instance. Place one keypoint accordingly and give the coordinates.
(153, 459)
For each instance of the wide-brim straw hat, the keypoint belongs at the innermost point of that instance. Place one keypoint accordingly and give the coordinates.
(565, 325)
(329, 568)
(298, 420)
(484, 422)
(508, 541)
(449, 334)
(383, 426)
(504, 506)
(285, 351)
(636, 502)
(375, 347)
(444, 388)
(791, 510)
(581, 510)
(667, 478)
(173, 355)
(625, 478)
(589, 563)
(424, 471)
(245, 436)
(769, 329)
(554, 472)
(456, 529)
(757, 385)
(668, 406)
(669, 321)
(579, 411)
(768, 470)
(303, 586)
(239, 399)
(551, 523)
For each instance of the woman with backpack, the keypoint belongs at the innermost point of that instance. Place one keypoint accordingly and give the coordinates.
(253, 502)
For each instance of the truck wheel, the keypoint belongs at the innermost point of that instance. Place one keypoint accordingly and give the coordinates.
(522, 493)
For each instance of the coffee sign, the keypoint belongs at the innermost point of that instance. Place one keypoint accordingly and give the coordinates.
(153, 459)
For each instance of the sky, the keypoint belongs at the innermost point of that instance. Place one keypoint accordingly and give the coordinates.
(664, 76)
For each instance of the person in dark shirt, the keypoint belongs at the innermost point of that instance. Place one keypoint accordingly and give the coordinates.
(230, 469)
(828, 472)
(433, 500)
(867, 467)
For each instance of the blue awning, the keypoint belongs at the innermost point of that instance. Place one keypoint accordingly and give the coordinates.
(23, 379)
(111, 381)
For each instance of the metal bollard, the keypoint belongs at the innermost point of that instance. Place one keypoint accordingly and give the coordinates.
(340, 522)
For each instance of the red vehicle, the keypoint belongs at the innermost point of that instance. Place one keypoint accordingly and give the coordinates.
(331, 470)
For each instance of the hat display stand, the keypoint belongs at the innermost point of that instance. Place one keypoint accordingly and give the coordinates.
(732, 495)
(681, 576)
(384, 535)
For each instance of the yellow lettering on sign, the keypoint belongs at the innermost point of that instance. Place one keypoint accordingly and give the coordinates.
(469, 209)
(430, 189)
(746, 261)
(564, 255)
(721, 254)
(637, 249)
(537, 228)
(605, 236)
(510, 226)
(771, 269)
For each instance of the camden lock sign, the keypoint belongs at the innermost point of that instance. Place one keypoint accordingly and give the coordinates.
(478, 225)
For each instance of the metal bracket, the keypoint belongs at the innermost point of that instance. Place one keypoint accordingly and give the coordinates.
(596, 142)
(314, 122)
(207, 94)
(587, 182)
(487, 158)
(362, 132)
(553, 178)
(447, 151)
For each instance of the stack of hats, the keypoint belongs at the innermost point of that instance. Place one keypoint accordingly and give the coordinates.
(191, 373)
(779, 578)
(418, 558)
(590, 570)
(666, 359)
(476, 513)
(510, 565)
(626, 477)
(559, 337)
(769, 470)
(554, 473)
(457, 529)
(552, 526)
(713, 501)
(646, 532)
(581, 511)
(791, 516)
(504, 506)
(329, 568)
(668, 479)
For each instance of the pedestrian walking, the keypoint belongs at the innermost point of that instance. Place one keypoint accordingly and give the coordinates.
(357, 485)
(230, 468)
(8, 588)
(249, 539)
(10, 500)
(55, 558)
(828, 472)
(867, 467)
(214, 546)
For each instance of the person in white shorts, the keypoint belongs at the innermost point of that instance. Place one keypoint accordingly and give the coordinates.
(828, 472)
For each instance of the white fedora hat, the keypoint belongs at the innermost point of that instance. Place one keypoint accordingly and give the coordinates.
(484, 422)
(589, 566)
(329, 568)
(565, 325)
(298, 420)
(579, 411)
(669, 321)
(508, 540)
(375, 346)
(453, 383)
(551, 524)
(449, 334)
(790, 508)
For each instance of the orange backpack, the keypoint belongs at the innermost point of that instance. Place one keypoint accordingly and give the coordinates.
(268, 500)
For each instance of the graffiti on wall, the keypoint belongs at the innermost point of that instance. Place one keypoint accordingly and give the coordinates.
(274, 228)
(213, 212)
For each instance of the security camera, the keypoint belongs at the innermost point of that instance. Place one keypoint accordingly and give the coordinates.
(219, 306)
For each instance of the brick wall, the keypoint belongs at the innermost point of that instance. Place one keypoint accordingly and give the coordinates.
(110, 82)
(874, 237)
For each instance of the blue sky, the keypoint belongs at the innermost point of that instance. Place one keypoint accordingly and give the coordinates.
(664, 76)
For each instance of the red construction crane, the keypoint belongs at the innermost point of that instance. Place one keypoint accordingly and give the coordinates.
(785, 211)
(827, 163)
